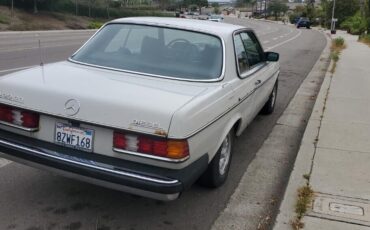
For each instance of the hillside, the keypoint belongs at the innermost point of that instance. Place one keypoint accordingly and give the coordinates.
(23, 20)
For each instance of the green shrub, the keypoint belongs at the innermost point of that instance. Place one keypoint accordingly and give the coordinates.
(365, 38)
(95, 25)
(4, 19)
(339, 42)
(335, 56)
(355, 25)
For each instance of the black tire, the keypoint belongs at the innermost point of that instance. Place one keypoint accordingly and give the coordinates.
(214, 176)
(269, 107)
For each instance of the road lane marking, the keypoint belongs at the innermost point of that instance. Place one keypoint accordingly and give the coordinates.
(282, 43)
(15, 69)
(5, 50)
(4, 162)
(275, 39)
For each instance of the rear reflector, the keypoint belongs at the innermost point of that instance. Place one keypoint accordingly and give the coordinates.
(19, 117)
(164, 148)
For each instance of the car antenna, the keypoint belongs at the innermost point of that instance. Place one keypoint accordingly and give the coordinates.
(41, 62)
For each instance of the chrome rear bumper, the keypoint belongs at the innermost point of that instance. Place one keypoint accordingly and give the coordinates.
(91, 165)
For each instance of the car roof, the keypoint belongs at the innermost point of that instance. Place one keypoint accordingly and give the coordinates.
(220, 29)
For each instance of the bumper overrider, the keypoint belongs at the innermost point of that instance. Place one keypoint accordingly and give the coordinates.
(143, 180)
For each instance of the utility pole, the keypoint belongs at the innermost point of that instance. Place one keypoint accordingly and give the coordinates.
(332, 29)
(76, 3)
(265, 9)
(12, 9)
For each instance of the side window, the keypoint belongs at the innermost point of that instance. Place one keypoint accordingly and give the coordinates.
(253, 48)
(240, 54)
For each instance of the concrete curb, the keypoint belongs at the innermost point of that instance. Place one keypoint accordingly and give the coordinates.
(306, 152)
(284, 140)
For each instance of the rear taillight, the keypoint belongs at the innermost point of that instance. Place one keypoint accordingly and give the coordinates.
(19, 117)
(152, 146)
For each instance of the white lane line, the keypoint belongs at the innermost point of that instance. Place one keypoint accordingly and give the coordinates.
(15, 69)
(282, 43)
(275, 39)
(4, 162)
(5, 50)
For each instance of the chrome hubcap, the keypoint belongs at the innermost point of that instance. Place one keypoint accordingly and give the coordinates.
(225, 155)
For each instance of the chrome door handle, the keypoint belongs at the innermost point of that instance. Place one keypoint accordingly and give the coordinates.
(257, 82)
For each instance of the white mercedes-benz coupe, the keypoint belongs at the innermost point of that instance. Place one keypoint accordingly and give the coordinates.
(147, 105)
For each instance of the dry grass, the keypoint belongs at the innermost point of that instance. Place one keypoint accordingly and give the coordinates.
(365, 39)
(304, 201)
(337, 45)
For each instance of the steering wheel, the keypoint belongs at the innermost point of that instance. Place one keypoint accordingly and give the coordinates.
(182, 40)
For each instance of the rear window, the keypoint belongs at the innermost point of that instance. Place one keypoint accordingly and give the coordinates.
(155, 51)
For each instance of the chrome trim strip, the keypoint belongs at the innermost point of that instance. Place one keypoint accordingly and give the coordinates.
(81, 120)
(151, 156)
(253, 69)
(227, 111)
(18, 127)
(220, 78)
(121, 173)
(110, 185)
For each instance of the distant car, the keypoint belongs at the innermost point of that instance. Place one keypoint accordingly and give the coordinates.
(295, 20)
(304, 22)
(216, 18)
(147, 105)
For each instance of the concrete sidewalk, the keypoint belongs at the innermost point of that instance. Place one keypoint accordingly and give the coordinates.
(335, 150)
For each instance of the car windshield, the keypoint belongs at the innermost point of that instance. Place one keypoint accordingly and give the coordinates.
(215, 17)
(155, 51)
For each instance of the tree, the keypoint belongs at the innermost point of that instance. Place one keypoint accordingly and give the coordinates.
(199, 3)
(276, 7)
(343, 9)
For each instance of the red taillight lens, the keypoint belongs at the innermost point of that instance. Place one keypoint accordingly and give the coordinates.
(119, 140)
(172, 149)
(30, 120)
(160, 148)
(6, 113)
(145, 145)
(19, 117)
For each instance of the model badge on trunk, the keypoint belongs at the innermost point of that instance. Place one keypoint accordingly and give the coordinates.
(72, 107)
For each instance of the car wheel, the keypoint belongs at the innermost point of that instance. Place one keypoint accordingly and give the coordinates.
(269, 107)
(218, 169)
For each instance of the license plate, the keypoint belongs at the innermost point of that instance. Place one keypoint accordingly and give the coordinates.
(74, 137)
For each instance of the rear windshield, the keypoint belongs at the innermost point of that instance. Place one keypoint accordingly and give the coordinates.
(155, 51)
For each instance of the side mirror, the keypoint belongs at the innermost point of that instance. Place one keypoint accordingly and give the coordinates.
(272, 56)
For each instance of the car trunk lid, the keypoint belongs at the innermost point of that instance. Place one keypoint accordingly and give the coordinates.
(103, 97)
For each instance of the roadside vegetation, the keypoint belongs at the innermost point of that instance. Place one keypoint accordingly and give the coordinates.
(304, 201)
(352, 15)
(365, 39)
(84, 14)
(337, 45)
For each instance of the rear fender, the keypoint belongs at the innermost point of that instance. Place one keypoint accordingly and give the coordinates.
(236, 119)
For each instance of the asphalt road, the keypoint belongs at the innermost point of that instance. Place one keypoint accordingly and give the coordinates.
(31, 199)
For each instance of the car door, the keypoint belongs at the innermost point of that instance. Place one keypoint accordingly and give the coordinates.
(261, 70)
(245, 87)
